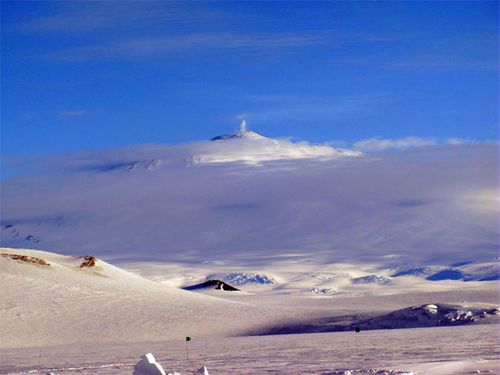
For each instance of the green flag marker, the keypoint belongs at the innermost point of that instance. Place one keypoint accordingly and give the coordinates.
(188, 338)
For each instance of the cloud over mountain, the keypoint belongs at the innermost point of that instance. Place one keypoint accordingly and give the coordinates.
(248, 199)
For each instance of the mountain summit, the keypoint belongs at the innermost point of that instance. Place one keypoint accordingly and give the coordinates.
(242, 133)
(247, 147)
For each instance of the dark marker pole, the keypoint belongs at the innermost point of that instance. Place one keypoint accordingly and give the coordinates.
(188, 338)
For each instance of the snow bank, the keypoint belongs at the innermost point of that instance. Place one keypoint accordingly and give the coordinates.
(148, 366)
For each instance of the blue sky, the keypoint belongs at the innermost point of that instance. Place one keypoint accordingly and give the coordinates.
(94, 75)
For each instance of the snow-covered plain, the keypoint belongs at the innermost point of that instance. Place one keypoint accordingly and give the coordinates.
(313, 235)
(445, 350)
(60, 316)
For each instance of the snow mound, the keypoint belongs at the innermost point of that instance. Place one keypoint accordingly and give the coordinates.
(148, 366)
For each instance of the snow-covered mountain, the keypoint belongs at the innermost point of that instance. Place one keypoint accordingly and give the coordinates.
(248, 147)
(244, 202)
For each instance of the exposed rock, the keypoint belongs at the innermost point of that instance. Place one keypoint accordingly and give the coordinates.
(26, 258)
(88, 261)
(213, 284)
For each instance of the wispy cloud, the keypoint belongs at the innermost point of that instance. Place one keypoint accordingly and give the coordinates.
(161, 45)
(438, 63)
(381, 144)
(268, 108)
(93, 17)
(463, 51)
(72, 114)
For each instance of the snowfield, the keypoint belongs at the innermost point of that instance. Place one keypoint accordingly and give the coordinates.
(149, 243)
(82, 315)
(443, 351)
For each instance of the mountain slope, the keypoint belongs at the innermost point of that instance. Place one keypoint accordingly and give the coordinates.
(61, 302)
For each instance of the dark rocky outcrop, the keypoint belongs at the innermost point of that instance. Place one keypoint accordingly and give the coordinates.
(212, 284)
(88, 261)
(26, 258)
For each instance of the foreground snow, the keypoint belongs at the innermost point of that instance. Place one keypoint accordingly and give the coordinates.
(445, 350)
(81, 315)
